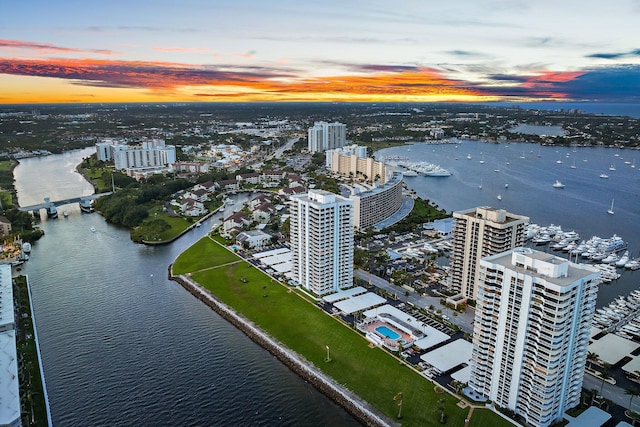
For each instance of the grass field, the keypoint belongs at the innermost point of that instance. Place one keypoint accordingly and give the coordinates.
(286, 314)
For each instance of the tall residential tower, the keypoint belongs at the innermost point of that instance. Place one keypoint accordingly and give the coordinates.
(327, 136)
(531, 332)
(322, 241)
(478, 233)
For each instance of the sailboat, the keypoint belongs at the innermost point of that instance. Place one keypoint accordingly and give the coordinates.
(612, 167)
(480, 186)
(573, 166)
(482, 161)
(610, 211)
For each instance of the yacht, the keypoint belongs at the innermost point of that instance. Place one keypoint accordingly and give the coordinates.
(604, 176)
(624, 259)
(558, 184)
(506, 186)
(632, 265)
(469, 156)
(499, 197)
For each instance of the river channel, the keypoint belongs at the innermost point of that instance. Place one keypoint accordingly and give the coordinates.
(122, 345)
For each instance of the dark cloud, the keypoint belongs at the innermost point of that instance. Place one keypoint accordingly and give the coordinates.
(616, 55)
(47, 47)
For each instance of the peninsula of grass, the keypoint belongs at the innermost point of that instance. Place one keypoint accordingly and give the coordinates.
(299, 324)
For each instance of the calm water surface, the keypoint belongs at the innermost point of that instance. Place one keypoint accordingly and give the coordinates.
(530, 170)
(122, 345)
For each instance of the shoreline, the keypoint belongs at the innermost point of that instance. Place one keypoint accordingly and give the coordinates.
(35, 336)
(359, 409)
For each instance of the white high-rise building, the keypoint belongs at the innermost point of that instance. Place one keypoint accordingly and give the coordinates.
(531, 332)
(480, 232)
(151, 153)
(322, 241)
(326, 136)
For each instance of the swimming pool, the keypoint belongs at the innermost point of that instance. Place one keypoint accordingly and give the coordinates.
(388, 333)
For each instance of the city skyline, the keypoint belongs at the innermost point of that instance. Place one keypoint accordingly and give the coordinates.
(142, 51)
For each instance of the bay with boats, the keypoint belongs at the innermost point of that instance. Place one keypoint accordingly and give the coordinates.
(523, 178)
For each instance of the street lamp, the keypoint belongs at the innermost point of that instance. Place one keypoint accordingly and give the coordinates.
(328, 359)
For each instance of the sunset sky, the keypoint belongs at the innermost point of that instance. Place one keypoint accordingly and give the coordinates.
(281, 50)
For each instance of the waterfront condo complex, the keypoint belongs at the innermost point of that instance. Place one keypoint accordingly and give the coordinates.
(478, 233)
(322, 241)
(531, 332)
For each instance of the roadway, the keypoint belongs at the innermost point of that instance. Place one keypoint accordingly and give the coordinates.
(63, 202)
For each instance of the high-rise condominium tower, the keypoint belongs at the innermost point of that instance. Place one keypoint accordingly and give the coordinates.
(477, 233)
(531, 332)
(322, 241)
(327, 136)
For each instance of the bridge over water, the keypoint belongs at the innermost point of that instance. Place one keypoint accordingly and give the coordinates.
(51, 206)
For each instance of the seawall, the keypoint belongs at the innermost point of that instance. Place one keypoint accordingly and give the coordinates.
(359, 409)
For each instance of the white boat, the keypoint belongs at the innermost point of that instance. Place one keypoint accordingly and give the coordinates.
(559, 161)
(558, 184)
(612, 167)
(632, 265)
(410, 173)
(604, 176)
(468, 156)
(26, 247)
(499, 197)
(480, 186)
(506, 186)
(573, 166)
(482, 160)
(610, 210)
(623, 259)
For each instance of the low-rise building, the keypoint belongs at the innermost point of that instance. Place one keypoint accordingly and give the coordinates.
(253, 239)
(5, 226)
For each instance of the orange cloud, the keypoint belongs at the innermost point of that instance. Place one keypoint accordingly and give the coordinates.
(175, 81)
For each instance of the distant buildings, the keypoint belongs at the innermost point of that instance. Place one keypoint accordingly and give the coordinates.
(531, 332)
(478, 233)
(322, 241)
(151, 153)
(326, 136)
(350, 163)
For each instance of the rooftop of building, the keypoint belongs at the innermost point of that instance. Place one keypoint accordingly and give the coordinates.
(489, 213)
(538, 264)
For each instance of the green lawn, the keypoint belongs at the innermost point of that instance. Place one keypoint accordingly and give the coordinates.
(369, 372)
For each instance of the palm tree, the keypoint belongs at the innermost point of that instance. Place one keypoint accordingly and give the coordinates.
(631, 392)
(399, 397)
(605, 375)
(592, 358)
